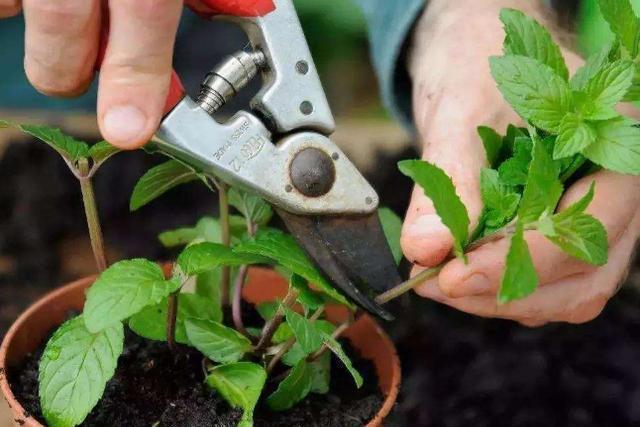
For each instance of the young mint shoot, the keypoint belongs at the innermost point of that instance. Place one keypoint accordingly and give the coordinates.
(83, 161)
(573, 127)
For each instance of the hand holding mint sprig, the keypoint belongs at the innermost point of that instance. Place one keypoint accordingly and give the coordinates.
(573, 131)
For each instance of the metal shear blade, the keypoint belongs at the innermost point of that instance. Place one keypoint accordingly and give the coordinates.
(351, 251)
(281, 150)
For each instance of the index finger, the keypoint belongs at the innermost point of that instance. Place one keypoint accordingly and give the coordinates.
(136, 71)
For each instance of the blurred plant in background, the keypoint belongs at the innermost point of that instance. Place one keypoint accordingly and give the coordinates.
(337, 35)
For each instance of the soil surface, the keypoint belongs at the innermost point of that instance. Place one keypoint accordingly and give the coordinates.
(461, 371)
(153, 385)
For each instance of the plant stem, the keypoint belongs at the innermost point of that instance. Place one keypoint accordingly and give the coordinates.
(225, 234)
(335, 335)
(408, 285)
(272, 325)
(172, 316)
(236, 305)
(280, 354)
(430, 273)
(91, 213)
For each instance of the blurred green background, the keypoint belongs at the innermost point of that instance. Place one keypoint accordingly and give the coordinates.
(593, 31)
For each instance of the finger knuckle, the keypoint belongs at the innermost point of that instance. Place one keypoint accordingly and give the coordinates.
(586, 313)
(54, 17)
(153, 10)
(127, 70)
(55, 84)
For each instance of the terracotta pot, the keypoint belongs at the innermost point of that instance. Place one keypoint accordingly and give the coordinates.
(32, 327)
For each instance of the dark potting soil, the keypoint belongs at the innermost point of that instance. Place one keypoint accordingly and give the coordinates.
(460, 370)
(153, 385)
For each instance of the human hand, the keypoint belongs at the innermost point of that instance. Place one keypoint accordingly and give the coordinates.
(453, 94)
(62, 44)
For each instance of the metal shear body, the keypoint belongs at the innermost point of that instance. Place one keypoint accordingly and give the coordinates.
(323, 199)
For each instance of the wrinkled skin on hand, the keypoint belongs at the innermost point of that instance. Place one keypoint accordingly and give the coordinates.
(453, 93)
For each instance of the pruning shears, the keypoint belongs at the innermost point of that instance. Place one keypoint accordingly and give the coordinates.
(281, 150)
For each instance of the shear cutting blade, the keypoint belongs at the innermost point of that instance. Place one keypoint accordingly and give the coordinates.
(352, 253)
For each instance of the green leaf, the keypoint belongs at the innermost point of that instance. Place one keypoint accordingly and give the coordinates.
(282, 334)
(526, 37)
(151, 322)
(68, 147)
(336, 348)
(5, 124)
(306, 297)
(634, 92)
(575, 135)
(203, 257)
(158, 180)
(250, 206)
(74, 370)
(492, 190)
(582, 204)
(611, 83)
(216, 341)
(208, 285)
(439, 188)
(309, 338)
(578, 234)
(321, 374)
(514, 171)
(206, 230)
(296, 353)
(623, 22)
(102, 151)
(295, 387)
(283, 249)
(267, 310)
(543, 188)
(500, 202)
(178, 237)
(593, 65)
(492, 143)
(392, 226)
(240, 384)
(520, 278)
(536, 93)
(123, 290)
(617, 147)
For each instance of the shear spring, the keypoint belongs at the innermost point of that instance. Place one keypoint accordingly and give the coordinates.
(228, 78)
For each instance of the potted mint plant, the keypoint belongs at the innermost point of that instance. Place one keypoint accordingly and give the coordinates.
(261, 338)
(255, 342)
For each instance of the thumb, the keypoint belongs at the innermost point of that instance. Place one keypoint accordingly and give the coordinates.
(425, 239)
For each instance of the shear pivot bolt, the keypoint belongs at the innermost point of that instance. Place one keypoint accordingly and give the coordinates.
(312, 172)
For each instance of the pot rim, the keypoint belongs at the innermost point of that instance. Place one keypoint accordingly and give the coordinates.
(43, 302)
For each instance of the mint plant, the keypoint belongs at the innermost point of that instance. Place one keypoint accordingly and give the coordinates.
(289, 355)
(83, 161)
(572, 129)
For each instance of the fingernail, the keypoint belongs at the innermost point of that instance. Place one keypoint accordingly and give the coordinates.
(476, 284)
(124, 124)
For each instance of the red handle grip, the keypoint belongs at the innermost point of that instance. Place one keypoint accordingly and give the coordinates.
(206, 9)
